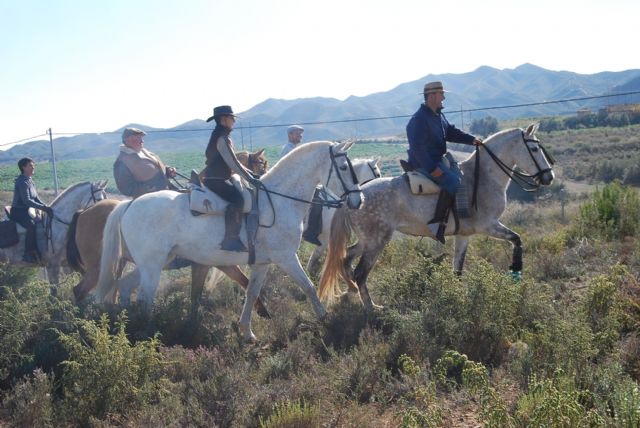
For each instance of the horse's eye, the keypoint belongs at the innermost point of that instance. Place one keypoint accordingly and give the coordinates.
(534, 148)
(343, 168)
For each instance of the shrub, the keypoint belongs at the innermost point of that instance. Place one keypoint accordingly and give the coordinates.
(555, 403)
(293, 414)
(105, 373)
(30, 403)
(612, 213)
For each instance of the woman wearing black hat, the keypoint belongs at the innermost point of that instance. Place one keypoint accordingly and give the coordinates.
(221, 163)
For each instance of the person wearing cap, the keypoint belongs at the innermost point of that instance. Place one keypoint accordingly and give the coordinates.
(25, 196)
(221, 163)
(294, 133)
(137, 170)
(314, 222)
(428, 131)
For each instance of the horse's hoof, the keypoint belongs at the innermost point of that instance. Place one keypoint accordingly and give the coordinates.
(516, 275)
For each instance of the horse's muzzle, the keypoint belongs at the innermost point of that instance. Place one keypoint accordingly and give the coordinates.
(545, 177)
(354, 200)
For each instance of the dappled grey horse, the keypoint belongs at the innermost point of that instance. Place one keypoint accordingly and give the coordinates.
(390, 206)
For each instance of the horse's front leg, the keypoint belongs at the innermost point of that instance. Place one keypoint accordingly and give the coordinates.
(500, 231)
(292, 267)
(258, 274)
(461, 244)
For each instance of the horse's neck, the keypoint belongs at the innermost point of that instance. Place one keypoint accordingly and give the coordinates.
(489, 172)
(70, 201)
(298, 175)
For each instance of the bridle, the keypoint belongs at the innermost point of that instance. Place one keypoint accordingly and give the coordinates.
(527, 182)
(94, 190)
(328, 200)
(374, 172)
(255, 160)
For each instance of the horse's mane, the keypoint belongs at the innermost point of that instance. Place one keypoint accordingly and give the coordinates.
(68, 190)
(304, 147)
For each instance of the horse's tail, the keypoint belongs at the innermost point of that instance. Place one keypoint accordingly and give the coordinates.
(111, 253)
(334, 264)
(73, 254)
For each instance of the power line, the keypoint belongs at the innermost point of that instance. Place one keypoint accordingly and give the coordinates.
(366, 119)
(23, 140)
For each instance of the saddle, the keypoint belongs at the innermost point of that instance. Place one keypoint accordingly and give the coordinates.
(204, 201)
(418, 183)
(12, 232)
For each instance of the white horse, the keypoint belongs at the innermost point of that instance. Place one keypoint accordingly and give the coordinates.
(158, 226)
(390, 206)
(53, 246)
(366, 170)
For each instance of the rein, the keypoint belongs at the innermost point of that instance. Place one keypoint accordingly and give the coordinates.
(526, 182)
(325, 202)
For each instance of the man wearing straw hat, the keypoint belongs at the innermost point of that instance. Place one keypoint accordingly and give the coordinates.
(428, 131)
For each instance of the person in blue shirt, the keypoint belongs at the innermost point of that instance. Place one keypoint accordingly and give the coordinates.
(25, 196)
(428, 131)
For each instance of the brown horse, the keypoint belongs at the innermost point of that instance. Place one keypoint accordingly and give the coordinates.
(84, 244)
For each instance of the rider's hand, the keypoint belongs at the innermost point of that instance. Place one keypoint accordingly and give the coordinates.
(171, 172)
(436, 172)
(477, 142)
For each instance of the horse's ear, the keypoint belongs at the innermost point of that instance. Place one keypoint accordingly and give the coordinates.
(533, 128)
(346, 145)
(376, 160)
(260, 152)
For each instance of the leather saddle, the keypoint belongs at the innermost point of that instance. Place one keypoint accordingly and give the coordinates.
(418, 183)
(204, 201)
(11, 231)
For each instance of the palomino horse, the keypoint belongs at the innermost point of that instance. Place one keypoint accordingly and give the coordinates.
(366, 170)
(157, 226)
(84, 245)
(391, 206)
(73, 198)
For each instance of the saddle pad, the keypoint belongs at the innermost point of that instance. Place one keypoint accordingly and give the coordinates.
(8, 234)
(421, 185)
(205, 201)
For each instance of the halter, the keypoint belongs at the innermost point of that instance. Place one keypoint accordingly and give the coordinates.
(527, 182)
(331, 203)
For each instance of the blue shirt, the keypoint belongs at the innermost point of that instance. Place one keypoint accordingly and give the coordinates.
(428, 133)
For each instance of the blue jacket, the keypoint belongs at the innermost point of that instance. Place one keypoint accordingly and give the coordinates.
(428, 134)
(25, 194)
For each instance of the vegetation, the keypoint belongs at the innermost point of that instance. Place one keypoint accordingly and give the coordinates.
(559, 348)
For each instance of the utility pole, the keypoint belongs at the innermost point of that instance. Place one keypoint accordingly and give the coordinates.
(53, 162)
(461, 118)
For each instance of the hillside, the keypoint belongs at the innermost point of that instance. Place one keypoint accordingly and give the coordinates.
(263, 125)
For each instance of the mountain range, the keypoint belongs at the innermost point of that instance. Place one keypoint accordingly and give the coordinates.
(485, 91)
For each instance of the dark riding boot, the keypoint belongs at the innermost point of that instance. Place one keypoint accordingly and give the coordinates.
(232, 224)
(314, 225)
(438, 223)
(31, 254)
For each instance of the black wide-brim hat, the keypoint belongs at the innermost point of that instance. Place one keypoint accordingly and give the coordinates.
(221, 111)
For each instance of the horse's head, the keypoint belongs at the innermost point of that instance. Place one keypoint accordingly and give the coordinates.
(257, 163)
(345, 174)
(98, 191)
(534, 158)
(366, 170)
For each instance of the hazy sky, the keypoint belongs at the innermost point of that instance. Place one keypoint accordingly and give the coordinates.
(94, 66)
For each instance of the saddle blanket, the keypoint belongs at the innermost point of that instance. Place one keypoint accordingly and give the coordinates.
(204, 201)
